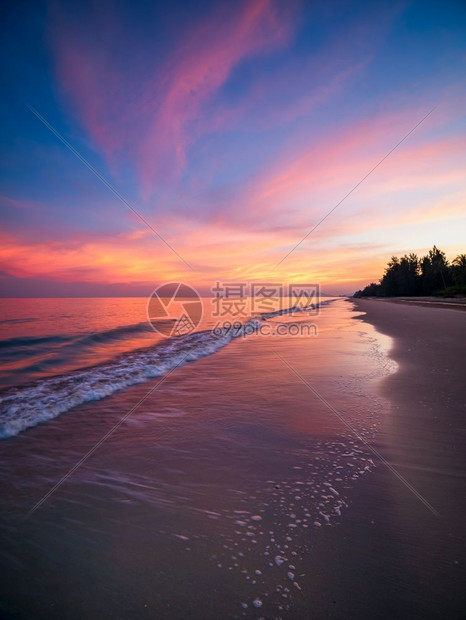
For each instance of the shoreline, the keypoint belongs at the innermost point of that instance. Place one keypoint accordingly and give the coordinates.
(423, 438)
(231, 478)
(227, 480)
(452, 303)
(428, 387)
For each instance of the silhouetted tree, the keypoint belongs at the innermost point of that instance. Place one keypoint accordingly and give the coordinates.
(408, 275)
(458, 270)
(401, 276)
(434, 272)
(411, 276)
(371, 290)
(389, 285)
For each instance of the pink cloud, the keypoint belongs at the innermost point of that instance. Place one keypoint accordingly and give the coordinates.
(306, 180)
(161, 101)
(199, 67)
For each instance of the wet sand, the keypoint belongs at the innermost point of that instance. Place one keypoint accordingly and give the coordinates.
(420, 567)
(234, 493)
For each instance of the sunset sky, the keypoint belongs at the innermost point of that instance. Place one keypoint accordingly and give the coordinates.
(232, 128)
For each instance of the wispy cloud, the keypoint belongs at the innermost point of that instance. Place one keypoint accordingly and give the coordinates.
(233, 128)
(151, 107)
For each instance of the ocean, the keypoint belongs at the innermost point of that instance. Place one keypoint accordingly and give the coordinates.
(56, 354)
(208, 500)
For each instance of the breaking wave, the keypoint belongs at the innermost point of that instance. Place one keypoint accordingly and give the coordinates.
(26, 406)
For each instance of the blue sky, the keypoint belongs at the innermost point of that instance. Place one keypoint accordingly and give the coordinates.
(232, 128)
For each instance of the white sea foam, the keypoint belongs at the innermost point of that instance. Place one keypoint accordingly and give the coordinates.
(26, 406)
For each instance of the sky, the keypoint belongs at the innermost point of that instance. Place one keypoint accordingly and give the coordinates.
(231, 129)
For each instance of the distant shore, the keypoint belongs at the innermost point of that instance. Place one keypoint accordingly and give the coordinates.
(458, 303)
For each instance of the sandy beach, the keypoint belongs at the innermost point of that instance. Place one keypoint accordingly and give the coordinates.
(233, 311)
(421, 566)
(233, 492)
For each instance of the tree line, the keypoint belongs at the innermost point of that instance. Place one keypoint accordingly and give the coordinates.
(429, 275)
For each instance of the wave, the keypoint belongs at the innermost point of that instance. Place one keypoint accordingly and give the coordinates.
(15, 321)
(30, 341)
(83, 340)
(27, 406)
